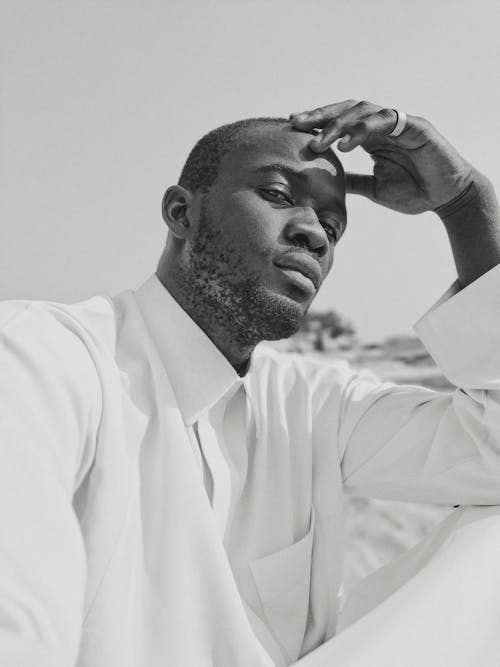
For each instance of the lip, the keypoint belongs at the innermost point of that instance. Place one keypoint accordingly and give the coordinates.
(303, 263)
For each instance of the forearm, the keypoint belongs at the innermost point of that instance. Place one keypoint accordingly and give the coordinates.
(472, 221)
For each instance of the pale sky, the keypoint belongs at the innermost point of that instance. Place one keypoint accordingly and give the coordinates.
(101, 102)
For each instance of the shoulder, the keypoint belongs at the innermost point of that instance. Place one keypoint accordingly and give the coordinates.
(51, 379)
(312, 374)
(52, 342)
(57, 322)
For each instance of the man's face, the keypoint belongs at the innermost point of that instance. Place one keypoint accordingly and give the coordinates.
(268, 228)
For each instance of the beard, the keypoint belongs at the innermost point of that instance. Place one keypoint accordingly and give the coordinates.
(223, 291)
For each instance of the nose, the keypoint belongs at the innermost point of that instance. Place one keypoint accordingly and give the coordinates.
(304, 228)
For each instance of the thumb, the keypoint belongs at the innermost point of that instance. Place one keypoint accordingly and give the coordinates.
(361, 184)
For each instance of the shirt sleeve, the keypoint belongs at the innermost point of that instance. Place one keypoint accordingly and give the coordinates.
(415, 444)
(49, 397)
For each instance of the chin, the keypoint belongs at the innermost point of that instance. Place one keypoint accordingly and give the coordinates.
(279, 316)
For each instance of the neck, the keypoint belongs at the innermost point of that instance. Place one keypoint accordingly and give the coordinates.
(227, 341)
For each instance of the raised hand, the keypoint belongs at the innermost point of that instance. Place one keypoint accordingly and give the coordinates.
(417, 171)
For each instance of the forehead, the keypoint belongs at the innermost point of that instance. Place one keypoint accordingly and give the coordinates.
(281, 144)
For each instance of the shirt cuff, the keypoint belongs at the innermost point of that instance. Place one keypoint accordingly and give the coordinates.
(462, 332)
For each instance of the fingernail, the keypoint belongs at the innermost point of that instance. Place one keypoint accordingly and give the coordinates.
(345, 139)
(299, 116)
(317, 139)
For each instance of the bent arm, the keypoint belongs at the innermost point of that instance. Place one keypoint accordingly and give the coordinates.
(44, 370)
(410, 443)
(414, 444)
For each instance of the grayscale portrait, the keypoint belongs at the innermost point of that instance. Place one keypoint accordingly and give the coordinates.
(249, 364)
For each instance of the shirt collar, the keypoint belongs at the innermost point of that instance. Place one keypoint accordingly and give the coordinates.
(199, 373)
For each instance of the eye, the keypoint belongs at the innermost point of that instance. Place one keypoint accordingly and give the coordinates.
(333, 232)
(273, 194)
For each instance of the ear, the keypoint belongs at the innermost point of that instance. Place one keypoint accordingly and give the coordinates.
(176, 208)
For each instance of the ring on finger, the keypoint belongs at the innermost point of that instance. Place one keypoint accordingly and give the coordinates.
(400, 124)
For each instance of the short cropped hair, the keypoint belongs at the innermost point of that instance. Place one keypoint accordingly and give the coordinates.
(202, 165)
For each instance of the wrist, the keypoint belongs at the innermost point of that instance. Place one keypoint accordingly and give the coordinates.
(472, 222)
(478, 186)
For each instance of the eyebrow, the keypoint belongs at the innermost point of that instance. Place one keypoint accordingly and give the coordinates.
(283, 168)
(286, 170)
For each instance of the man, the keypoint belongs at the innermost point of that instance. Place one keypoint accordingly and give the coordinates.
(172, 495)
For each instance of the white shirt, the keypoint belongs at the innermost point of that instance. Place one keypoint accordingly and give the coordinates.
(111, 554)
(213, 403)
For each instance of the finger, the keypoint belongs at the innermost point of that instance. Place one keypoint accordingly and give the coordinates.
(361, 184)
(379, 124)
(306, 120)
(344, 123)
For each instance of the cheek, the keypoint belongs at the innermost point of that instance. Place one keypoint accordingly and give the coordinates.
(253, 225)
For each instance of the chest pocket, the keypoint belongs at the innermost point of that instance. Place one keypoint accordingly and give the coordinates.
(283, 581)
